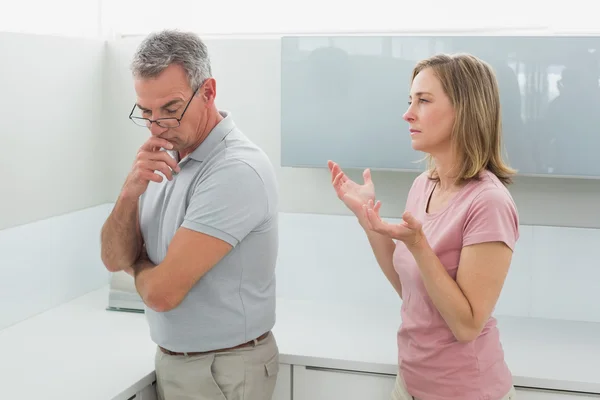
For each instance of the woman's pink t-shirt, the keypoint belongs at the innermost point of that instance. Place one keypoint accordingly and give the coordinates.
(434, 365)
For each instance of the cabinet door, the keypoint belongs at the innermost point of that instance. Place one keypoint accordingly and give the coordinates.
(540, 394)
(147, 393)
(326, 384)
(283, 388)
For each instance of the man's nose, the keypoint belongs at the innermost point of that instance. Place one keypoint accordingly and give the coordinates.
(155, 129)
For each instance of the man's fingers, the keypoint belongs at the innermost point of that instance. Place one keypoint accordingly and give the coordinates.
(161, 156)
(151, 166)
(150, 176)
(167, 159)
(156, 142)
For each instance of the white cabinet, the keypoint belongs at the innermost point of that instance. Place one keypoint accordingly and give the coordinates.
(283, 388)
(326, 384)
(540, 394)
(147, 393)
(316, 383)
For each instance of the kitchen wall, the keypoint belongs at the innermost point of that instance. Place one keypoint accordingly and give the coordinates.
(54, 169)
(48, 262)
(52, 116)
(554, 272)
(68, 120)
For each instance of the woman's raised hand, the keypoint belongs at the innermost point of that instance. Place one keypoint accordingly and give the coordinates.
(353, 195)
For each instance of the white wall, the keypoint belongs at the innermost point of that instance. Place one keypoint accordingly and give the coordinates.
(554, 272)
(43, 17)
(55, 147)
(48, 262)
(54, 164)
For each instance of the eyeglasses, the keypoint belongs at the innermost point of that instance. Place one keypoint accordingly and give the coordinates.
(170, 122)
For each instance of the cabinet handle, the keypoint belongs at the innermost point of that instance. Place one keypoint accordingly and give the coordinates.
(349, 371)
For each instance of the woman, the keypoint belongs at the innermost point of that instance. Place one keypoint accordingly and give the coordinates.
(449, 257)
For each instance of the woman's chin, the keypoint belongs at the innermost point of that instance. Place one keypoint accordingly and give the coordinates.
(417, 145)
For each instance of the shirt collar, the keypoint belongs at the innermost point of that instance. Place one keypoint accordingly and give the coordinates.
(215, 136)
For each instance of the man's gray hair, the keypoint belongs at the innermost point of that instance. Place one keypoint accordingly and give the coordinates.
(161, 49)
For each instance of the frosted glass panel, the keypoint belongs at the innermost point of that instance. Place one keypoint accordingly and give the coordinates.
(343, 97)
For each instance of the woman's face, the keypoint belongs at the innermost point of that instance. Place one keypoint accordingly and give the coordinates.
(430, 114)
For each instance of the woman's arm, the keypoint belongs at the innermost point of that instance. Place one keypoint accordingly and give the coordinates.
(383, 248)
(467, 303)
(489, 236)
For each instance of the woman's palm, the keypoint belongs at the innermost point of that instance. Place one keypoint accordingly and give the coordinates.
(351, 193)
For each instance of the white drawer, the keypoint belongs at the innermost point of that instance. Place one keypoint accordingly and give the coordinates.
(326, 384)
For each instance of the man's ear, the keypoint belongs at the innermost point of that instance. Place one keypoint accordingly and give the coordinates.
(209, 90)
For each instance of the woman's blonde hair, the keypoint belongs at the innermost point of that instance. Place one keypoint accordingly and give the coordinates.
(470, 84)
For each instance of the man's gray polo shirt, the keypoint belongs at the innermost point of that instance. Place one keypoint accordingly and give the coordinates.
(227, 189)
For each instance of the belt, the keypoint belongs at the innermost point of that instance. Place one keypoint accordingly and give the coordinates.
(249, 343)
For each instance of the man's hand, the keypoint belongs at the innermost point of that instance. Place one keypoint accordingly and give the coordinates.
(149, 159)
(163, 287)
(142, 263)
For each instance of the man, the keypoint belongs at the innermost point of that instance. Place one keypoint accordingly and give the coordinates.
(196, 225)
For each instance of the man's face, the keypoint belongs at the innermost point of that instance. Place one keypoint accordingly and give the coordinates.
(167, 96)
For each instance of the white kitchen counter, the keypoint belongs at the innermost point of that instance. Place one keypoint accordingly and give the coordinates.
(81, 350)
(78, 350)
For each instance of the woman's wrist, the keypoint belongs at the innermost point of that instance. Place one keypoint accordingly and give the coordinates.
(364, 223)
(419, 245)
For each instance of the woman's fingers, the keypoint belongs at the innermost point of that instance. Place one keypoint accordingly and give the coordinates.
(337, 180)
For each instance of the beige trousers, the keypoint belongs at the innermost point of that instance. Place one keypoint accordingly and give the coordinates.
(248, 373)
(400, 392)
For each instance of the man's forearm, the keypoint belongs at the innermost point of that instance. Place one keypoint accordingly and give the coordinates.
(136, 271)
(121, 241)
(143, 275)
(142, 264)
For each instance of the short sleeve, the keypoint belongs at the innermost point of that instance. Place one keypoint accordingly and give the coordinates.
(228, 203)
(492, 217)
